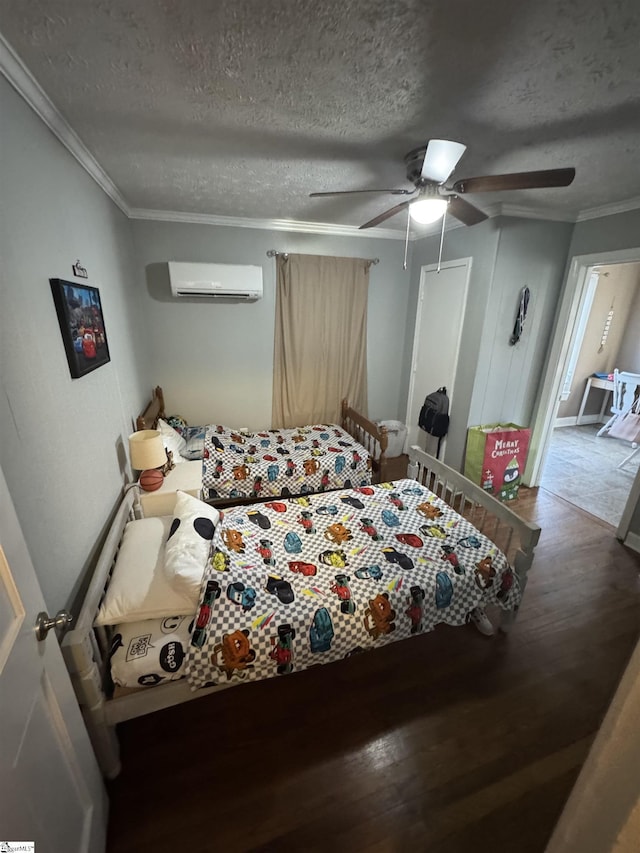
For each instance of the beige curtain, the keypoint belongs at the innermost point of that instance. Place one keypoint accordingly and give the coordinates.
(320, 354)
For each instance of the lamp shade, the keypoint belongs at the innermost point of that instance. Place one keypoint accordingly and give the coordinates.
(146, 449)
(427, 210)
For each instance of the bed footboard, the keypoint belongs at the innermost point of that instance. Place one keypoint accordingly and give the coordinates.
(372, 437)
(515, 537)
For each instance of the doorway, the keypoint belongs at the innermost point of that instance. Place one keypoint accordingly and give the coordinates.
(593, 331)
(442, 298)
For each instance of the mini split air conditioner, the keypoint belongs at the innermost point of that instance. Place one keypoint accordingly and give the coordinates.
(232, 281)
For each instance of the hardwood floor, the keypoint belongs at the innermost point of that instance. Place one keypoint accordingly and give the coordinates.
(397, 467)
(446, 742)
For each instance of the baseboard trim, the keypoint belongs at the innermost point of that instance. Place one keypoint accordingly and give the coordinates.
(632, 541)
(573, 421)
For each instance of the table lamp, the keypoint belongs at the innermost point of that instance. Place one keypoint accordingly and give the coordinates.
(147, 454)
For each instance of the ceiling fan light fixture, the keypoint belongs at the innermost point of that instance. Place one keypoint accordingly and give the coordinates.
(427, 210)
(441, 158)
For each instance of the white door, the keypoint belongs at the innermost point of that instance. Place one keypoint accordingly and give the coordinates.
(436, 344)
(51, 790)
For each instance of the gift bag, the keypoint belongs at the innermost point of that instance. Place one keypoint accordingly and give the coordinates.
(627, 427)
(495, 458)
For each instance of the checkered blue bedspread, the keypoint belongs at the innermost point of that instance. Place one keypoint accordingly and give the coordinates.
(282, 462)
(293, 583)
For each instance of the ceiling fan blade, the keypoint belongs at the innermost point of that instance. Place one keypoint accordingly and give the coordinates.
(516, 181)
(465, 212)
(440, 159)
(353, 192)
(386, 215)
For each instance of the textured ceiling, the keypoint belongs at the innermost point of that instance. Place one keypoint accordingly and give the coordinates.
(241, 108)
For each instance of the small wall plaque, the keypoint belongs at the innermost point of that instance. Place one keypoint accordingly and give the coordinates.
(79, 271)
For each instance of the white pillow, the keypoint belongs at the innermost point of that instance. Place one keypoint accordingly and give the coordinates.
(138, 588)
(172, 440)
(187, 549)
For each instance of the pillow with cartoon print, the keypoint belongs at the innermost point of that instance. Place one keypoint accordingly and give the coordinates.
(172, 440)
(178, 423)
(149, 652)
(194, 448)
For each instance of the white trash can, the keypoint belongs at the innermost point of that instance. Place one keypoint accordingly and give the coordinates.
(397, 433)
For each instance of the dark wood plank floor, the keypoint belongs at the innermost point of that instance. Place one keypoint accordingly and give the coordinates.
(445, 742)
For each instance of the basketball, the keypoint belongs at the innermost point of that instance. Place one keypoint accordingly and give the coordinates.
(151, 480)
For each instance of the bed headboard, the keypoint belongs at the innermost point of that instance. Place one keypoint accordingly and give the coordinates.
(154, 410)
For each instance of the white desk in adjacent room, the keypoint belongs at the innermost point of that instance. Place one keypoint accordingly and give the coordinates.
(594, 382)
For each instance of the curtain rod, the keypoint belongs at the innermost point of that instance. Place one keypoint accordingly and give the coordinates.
(273, 253)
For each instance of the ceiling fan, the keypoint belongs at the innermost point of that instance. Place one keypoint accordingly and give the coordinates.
(430, 167)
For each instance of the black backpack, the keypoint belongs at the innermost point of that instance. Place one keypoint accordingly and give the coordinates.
(434, 415)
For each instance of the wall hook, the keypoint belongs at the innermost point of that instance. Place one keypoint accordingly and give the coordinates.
(521, 315)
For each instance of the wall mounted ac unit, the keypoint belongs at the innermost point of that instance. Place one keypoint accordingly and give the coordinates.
(232, 281)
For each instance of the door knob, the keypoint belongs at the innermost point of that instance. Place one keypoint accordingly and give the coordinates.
(61, 622)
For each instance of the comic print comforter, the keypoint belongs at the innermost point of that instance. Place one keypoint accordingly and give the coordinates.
(293, 583)
(281, 462)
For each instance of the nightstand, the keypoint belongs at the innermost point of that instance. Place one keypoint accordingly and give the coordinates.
(186, 477)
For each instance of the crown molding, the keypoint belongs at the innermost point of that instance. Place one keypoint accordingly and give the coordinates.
(19, 76)
(609, 209)
(291, 225)
(265, 224)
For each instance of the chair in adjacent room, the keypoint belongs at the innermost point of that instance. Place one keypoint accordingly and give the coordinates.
(625, 397)
(624, 422)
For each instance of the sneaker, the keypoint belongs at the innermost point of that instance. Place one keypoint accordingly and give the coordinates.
(482, 622)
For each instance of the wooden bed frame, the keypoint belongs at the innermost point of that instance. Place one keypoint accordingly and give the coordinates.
(155, 409)
(86, 648)
(372, 437)
(514, 536)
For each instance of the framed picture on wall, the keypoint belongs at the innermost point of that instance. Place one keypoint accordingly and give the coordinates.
(81, 324)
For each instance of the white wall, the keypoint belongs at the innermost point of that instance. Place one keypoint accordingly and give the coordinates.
(531, 253)
(629, 352)
(606, 234)
(62, 447)
(215, 360)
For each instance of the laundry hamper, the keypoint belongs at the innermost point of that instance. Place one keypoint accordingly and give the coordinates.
(397, 433)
